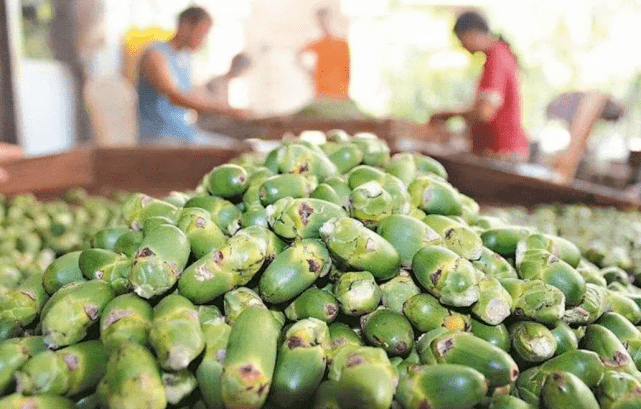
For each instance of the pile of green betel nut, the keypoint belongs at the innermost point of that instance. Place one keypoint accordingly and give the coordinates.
(33, 233)
(606, 236)
(322, 276)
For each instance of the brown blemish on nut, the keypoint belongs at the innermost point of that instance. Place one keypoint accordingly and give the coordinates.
(146, 252)
(203, 273)
(619, 359)
(444, 346)
(355, 360)
(370, 245)
(314, 266)
(401, 347)
(295, 342)
(71, 361)
(249, 372)
(449, 233)
(305, 211)
(436, 276)
(331, 310)
(29, 294)
(515, 373)
(91, 311)
(218, 257)
(115, 316)
(263, 388)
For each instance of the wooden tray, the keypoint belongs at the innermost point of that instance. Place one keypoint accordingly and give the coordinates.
(156, 170)
(159, 170)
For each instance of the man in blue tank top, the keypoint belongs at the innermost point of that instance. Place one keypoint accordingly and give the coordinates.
(165, 94)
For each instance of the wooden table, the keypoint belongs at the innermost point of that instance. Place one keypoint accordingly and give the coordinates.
(153, 170)
(159, 170)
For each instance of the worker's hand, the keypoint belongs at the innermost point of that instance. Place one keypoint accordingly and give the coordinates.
(439, 118)
(242, 113)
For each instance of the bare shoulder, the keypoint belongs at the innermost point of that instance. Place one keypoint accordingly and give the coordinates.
(151, 58)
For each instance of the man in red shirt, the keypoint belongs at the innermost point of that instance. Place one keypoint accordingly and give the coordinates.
(332, 71)
(495, 117)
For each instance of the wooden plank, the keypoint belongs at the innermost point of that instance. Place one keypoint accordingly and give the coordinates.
(589, 113)
(488, 185)
(48, 173)
(156, 170)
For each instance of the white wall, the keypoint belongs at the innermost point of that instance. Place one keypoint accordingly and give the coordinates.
(47, 107)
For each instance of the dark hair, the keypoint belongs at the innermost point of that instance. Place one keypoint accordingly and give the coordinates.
(240, 61)
(193, 15)
(323, 11)
(471, 20)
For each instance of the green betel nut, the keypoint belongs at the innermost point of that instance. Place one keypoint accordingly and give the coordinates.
(407, 235)
(250, 359)
(288, 185)
(357, 293)
(367, 380)
(301, 363)
(126, 318)
(426, 313)
(465, 349)
(61, 271)
(205, 279)
(494, 303)
(72, 309)
(359, 248)
(175, 334)
(398, 290)
(301, 218)
(446, 275)
(162, 256)
(369, 203)
(203, 234)
(132, 380)
(563, 390)
(294, 270)
(313, 303)
(435, 196)
(441, 387)
(532, 341)
(227, 181)
(389, 330)
(68, 371)
(108, 266)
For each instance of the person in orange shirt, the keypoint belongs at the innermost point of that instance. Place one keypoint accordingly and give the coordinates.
(331, 73)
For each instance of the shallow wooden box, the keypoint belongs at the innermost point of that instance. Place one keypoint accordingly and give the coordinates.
(159, 170)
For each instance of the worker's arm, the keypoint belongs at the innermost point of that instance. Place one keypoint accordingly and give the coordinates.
(489, 98)
(483, 110)
(485, 106)
(154, 68)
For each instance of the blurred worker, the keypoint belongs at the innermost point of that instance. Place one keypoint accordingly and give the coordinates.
(331, 73)
(495, 116)
(218, 87)
(165, 85)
